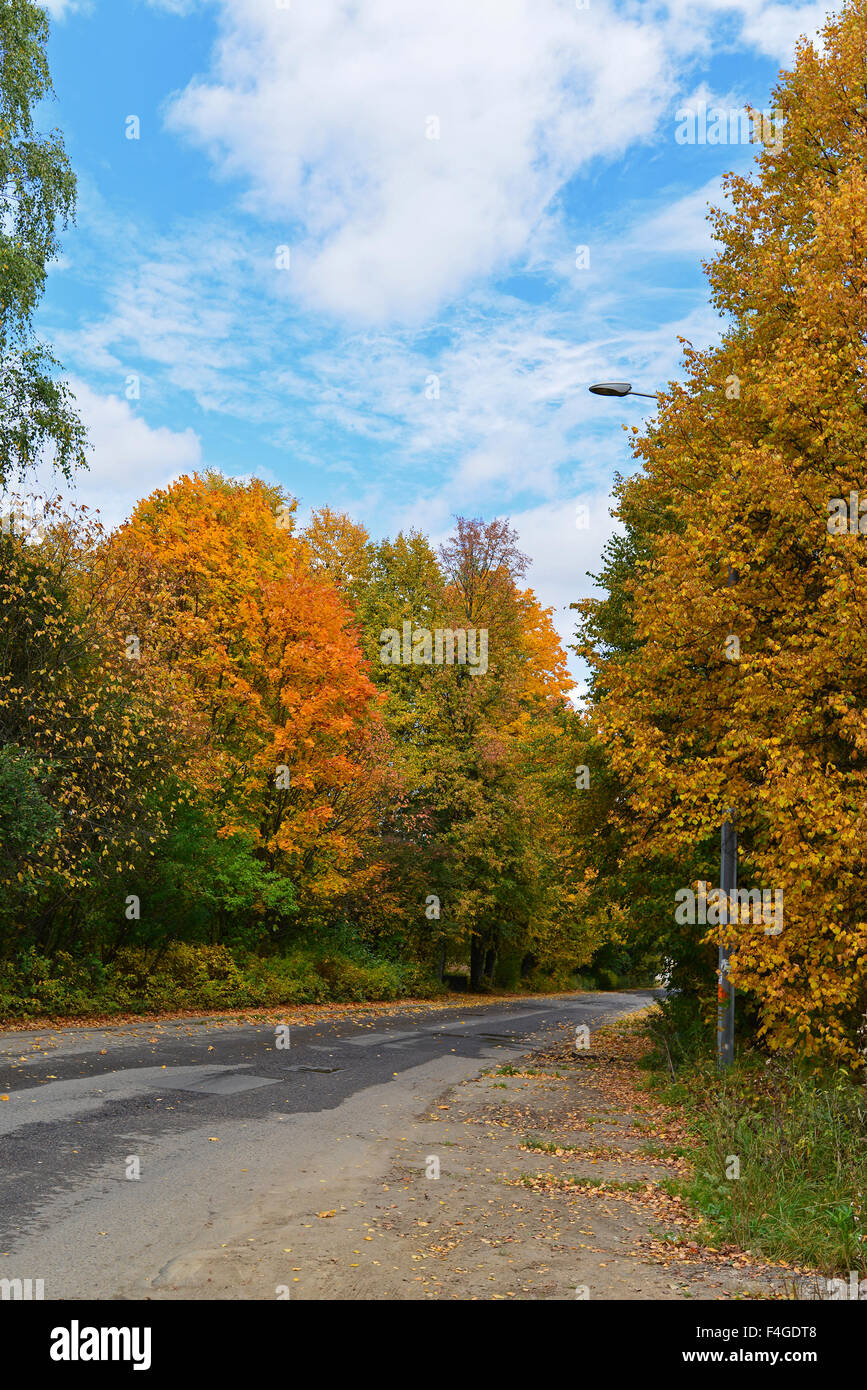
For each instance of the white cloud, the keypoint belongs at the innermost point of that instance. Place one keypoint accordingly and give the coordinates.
(682, 227)
(321, 112)
(318, 113)
(774, 29)
(128, 458)
(771, 29)
(563, 554)
(59, 9)
(180, 313)
(179, 7)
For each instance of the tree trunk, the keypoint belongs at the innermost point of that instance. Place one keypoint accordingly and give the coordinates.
(490, 964)
(477, 964)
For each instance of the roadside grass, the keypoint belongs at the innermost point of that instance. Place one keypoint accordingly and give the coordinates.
(508, 1070)
(796, 1140)
(570, 1181)
(545, 1147)
(536, 1145)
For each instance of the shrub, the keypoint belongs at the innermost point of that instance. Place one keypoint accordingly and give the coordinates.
(187, 976)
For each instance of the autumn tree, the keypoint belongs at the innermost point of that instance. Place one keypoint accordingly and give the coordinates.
(741, 679)
(465, 832)
(195, 720)
(341, 549)
(262, 647)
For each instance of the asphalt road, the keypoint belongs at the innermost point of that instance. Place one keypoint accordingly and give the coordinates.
(222, 1124)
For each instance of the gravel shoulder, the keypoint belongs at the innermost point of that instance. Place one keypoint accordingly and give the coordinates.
(541, 1178)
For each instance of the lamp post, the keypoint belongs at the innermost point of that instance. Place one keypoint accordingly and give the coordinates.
(728, 868)
(725, 1009)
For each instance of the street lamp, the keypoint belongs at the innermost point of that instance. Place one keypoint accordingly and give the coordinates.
(728, 869)
(619, 388)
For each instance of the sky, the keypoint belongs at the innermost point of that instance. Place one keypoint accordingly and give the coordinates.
(376, 250)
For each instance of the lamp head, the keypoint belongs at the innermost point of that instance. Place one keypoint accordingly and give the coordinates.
(612, 388)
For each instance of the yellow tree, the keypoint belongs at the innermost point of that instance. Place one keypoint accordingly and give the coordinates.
(746, 682)
(340, 548)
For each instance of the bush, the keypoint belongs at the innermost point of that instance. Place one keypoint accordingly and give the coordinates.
(350, 981)
(552, 979)
(186, 976)
(33, 985)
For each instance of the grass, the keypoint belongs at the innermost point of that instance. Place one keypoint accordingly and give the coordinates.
(543, 1146)
(800, 1141)
(571, 1180)
(602, 1150)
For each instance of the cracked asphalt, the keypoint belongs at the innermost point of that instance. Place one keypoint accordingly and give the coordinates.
(125, 1151)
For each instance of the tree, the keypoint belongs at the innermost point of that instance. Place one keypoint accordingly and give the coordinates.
(37, 198)
(262, 648)
(87, 748)
(745, 680)
(340, 548)
(466, 829)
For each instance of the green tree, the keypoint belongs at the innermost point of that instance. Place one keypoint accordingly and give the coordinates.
(37, 198)
(466, 826)
(87, 746)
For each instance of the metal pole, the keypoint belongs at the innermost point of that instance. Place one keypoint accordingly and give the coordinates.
(728, 879)
(728, 871)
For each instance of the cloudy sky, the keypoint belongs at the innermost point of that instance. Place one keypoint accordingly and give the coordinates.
(338, 244)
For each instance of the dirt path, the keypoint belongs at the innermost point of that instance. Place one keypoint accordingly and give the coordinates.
(550, 1171)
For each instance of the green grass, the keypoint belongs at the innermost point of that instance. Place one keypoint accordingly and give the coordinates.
(576, 1180)
(508, 1070)
(545, 1147)
(801, 1141)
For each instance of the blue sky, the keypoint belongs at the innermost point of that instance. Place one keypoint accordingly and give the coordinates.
(425, 346)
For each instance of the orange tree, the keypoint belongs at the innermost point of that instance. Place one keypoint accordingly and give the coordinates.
(261, 648)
